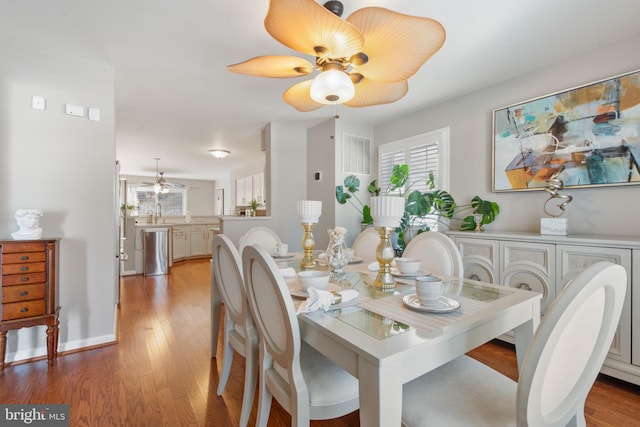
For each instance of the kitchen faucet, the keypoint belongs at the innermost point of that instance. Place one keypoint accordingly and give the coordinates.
(158, 212)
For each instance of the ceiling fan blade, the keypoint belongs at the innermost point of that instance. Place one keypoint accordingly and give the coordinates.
(304, 24)
(174, 184)
(274, 66)
(397, 44)
(298, 97)
(370, 92)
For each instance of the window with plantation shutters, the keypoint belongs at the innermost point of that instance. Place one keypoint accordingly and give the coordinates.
(425, 154)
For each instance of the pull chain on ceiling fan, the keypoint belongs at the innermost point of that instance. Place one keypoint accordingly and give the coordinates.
(363, 60)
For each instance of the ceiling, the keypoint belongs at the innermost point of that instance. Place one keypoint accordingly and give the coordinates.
(175, 98)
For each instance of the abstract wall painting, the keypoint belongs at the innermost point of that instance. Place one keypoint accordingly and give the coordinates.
(591, 132)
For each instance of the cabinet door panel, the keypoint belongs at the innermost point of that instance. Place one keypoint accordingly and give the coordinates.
(573, 259)
(199, 239)
(180, 240)
(531, 266)
(635, 303)
(480, 259)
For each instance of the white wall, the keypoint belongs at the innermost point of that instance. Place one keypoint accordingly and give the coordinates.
(610, 210)
(321, 154)
(324, 153)
(65, 166)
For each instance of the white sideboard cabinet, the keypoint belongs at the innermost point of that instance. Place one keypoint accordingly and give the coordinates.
(545, 264)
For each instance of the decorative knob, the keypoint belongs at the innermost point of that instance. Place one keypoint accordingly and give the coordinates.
(24, 258)
(24, 293)
(24, 268)
(524, 286)
(24, 279)
(24, 310)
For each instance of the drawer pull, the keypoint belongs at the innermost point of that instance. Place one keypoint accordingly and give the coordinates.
(24, 279)
(24, 258)
(24, 293)
(24, 310)
(524, 286)
(24, 268)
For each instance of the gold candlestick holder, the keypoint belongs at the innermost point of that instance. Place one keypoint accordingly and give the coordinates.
(307, 262)
(384, 255)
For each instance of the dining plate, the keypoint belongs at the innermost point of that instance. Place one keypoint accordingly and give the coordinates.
(301, 293)
(354, 260)
(396, 273)
(443, 305)
(287, 256)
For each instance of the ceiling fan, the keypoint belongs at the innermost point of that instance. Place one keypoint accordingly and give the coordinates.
(161, 185)
(364, 60)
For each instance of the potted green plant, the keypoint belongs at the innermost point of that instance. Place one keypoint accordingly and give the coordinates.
(399, 177)
(254, 205)
(125, 209)
(421, 208)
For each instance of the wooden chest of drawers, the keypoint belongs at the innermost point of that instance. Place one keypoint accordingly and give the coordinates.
(28, 290)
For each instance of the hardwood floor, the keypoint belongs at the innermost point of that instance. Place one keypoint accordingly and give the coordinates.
(161, 373)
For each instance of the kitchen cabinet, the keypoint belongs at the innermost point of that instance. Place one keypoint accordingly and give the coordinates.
(257, 187)
(546, 263)
(250, 188)
(200, 240)
(181, 243)
(192, 240)
(29, 290)
(244, 191)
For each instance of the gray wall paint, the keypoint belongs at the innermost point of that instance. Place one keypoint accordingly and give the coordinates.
(608, 211)
(65, 166)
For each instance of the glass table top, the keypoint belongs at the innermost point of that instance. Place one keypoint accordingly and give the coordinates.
(379, 326)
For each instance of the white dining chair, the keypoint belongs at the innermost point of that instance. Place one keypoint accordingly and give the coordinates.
(303, 381)
(366, 243)
(262, 236)
(438, 253)
(558, 370)
(239, 334)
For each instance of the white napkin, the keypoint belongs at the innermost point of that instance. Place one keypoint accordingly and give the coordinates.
(288, 272)
(319, 299)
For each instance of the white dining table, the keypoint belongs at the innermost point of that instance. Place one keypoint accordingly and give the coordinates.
(378, 339)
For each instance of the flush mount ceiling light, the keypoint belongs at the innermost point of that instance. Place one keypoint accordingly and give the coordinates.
(219, 154)
(369, 56)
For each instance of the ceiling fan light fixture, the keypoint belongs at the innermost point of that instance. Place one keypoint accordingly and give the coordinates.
(332, 87)
(157, 188)
(219, 154)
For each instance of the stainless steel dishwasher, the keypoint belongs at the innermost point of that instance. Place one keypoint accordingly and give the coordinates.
(156, 253)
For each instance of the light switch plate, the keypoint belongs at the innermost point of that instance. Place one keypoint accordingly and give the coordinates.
(93, 113)
(74, 110)
(38, 103)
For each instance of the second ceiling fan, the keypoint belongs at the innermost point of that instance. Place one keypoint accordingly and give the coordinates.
(161, 185)
(364, 60)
